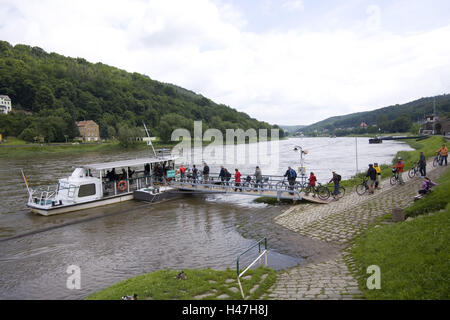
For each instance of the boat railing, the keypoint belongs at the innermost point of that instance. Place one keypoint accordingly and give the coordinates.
(43, 195)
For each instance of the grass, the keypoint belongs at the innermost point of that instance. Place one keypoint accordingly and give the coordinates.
(208, 283)
(413, 258)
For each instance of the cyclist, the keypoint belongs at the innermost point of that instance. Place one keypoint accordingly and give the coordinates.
(422, 165)
(443, 151)
(378, 182)
(399, 167)
(312, 182)
(372, 174)
(336, 179)
(291, 175)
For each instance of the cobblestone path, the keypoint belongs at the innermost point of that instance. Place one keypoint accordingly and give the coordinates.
(338, 223)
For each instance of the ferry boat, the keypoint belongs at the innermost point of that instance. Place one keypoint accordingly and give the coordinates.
(98, 184)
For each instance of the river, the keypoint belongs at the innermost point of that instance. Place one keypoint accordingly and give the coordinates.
(132, 238)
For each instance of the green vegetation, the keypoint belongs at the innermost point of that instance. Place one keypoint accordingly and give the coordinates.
(413, 258)
(26, 150)
(50, 92)
(210, 284)
(397, 118)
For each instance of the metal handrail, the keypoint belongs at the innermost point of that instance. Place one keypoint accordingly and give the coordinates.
(239, 275)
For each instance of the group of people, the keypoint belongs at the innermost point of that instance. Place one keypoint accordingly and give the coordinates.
(112, 176)
(195, 174)
(374, 175)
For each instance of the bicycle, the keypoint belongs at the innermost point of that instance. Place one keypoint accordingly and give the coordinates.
(322, 192)
(413, 171)
(284, 184)
(437, 160)
(362, 188)
(341, 193)
(394, 179)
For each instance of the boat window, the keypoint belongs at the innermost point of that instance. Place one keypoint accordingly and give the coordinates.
(86, 190)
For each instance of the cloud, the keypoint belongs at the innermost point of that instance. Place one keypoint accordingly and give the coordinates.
(294, 76)
(294, 5)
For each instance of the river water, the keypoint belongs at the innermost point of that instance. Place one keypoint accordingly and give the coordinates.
(132, 238)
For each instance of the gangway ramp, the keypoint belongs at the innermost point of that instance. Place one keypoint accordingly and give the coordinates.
(219, 188)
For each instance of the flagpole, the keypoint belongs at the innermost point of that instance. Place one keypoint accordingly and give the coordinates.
(26, 182)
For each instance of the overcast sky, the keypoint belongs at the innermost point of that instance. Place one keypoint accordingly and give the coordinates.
(281, 61)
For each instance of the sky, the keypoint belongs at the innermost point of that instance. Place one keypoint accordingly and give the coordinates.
(288, 62)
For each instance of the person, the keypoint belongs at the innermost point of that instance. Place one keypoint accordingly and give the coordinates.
(194, 174)
(182, 172)
(378, 170)
(227, 176)
(237, 180)
(312, 182)
(336, 180)
(147, 169)
(205, 173)
(124, 174)
(399, 167)
(443, 151)
(258, 177)
(422, 165)
(291, 175)
(222, 174)
(130, 173)
(114, 175)
(372, 174)
(159, 173)
(426, 186)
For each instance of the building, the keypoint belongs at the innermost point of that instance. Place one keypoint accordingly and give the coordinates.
(430, 126)
(89, 131)
(363, 125)
(5, 104)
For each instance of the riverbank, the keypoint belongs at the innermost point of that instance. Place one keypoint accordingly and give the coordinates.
(19, 148)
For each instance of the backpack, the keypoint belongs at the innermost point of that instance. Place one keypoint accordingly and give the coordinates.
(339, 178)
(292, 174)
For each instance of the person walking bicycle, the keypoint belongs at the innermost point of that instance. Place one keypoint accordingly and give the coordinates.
(399, 167)
(422, 165)
(443, 151)
(336, 180)
(372, 174)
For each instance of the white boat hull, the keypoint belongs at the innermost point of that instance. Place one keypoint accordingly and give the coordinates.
(79, 206)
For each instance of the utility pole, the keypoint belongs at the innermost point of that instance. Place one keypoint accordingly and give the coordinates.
(434, 115)
(356, 154)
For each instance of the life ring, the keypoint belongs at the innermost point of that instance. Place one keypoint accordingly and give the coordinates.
(122, 185)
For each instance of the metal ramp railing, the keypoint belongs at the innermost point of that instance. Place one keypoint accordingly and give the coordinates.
(260, 255)
(267, 191)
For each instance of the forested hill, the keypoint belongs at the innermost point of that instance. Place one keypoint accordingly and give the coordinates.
(397, 118)
(55, 91)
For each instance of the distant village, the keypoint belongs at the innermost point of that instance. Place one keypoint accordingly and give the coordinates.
(89, 130)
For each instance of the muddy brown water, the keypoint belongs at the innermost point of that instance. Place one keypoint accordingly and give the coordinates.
(132, 238)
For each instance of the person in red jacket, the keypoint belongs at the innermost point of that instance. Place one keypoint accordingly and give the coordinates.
(182, 172)
(237, 180)
(400, 167)
(312, 182)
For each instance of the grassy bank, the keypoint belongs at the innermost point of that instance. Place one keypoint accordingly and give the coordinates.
(413, 256)
(204, 284)
(33, 149)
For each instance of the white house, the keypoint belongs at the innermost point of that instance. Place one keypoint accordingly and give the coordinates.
(5, 104)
